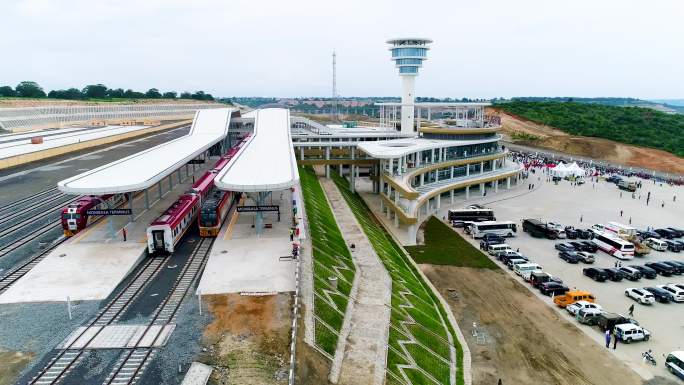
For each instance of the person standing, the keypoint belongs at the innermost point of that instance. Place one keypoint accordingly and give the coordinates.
(615, 338)
(124, 233)
(620, 213)
(291, 234)
(607, 338)
(631, 310)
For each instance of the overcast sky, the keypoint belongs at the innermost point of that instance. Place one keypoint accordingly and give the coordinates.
(481, 49)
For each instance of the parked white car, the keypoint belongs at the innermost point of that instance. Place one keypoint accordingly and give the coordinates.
(629, 332)
(579, 305)
(642, 296)
(677, 292)
(656, 244)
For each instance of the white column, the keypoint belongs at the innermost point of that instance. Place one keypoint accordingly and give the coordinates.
(508, 183)
(396, 219)
(327, 166)
(432, 156)
(407, 103)
(382, 206)
(482, 189)
(422, 179)
(451, 201)
(451, 172)
(467, 169)
(439, 201)
(496, 186)
(494, 165)
(467, 192)
(412, 234)
(481, 167)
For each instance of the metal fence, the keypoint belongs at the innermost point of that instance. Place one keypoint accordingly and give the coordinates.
(56, 116)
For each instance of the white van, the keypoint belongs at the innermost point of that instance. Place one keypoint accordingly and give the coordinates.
(656, 244)
(525, 269)
(675, 364)
(496, 249)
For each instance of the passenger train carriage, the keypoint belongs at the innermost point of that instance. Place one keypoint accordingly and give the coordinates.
(75, 216)
(166, 231)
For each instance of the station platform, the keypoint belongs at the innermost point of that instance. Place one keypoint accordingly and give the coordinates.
(243, 262)
(91, 264)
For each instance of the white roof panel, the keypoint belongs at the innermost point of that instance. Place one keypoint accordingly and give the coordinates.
(267, 161)
(144, 169)
(388, 149)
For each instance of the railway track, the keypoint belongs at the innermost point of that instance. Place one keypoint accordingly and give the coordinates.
(19, 271)
(37, 196)
(6, 249)
(17, 213)
(69, 356)
(131, 365)
(34, 219)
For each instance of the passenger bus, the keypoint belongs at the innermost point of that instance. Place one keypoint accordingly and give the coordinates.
(617, 247)
(471, 215)
(539, 229)
(504, 229)
(622, 231)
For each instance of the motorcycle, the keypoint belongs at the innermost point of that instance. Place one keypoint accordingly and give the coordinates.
(648, 357)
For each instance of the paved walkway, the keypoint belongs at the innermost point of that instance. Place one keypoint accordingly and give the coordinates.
(364, 359)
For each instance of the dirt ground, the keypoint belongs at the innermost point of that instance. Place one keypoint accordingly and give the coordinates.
(248, 341)
(596, 148)
(11, 364)
(526, 341)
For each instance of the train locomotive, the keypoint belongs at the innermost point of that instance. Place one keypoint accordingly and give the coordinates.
(75, 216)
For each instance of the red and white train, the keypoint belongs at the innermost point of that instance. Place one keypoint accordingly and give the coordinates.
(166, 231)
(75, 216)
(214, 211)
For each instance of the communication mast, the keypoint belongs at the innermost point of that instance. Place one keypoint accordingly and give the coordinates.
(333, 112)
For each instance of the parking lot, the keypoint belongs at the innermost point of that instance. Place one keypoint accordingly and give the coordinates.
(583, 206)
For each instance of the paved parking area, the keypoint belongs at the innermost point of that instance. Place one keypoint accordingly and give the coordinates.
(601, 203)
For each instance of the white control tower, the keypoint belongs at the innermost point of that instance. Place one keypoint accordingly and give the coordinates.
(408, 55)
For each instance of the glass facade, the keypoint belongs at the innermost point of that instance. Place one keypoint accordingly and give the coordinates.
(409, 61)
(419, 52)
(408, 70)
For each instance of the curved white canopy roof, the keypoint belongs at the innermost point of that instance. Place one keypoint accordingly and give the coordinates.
(389, 149)
(267, 161)
(146, 168)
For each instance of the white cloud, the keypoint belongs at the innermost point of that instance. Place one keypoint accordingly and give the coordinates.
(240, 47)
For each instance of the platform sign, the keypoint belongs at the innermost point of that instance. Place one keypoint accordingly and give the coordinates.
(251, 209)
(110, 212)
(196, 161)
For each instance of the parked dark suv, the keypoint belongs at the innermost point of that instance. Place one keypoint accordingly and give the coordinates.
(660, 295)
(645, 271)
(595, 273)
(590, 246)
(614, 274)
(665, 233)
(677, 266)
(630, 273)
(569, 256)
(661, 268)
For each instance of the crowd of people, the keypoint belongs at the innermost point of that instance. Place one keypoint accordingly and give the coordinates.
(538, 161)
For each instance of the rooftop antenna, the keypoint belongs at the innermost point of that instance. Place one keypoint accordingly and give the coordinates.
(333, 112)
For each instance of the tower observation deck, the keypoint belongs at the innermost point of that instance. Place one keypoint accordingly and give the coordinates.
(408, 55)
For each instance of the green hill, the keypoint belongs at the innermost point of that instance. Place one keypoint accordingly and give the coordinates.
(631, 125)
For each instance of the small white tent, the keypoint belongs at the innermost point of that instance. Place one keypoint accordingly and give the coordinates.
(575, 170)
(559, 170)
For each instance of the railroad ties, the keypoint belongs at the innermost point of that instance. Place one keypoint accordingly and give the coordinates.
(139, 351)
(131, 364)
(19, 271)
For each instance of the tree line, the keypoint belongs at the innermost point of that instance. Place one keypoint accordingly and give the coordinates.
(632, 125)
(30, 89)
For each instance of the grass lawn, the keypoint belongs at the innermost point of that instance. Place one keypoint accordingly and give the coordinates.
(443, 246)
(419, 330)
(331, 258)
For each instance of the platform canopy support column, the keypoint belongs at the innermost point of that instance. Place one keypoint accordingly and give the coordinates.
(130, 206)
(147, 199)
(259, 221)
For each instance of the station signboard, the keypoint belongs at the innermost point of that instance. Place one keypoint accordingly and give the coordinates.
(249, 209)
(110, 212)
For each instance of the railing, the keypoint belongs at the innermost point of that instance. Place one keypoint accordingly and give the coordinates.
(28, 117)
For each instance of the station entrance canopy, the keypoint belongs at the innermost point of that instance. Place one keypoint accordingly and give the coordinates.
(144, 169)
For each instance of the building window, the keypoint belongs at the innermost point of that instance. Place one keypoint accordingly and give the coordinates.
(419, 52)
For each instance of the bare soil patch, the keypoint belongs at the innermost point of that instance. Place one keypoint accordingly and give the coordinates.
(596, 148)
(11, 364)
(526, 341)
(248, 341)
